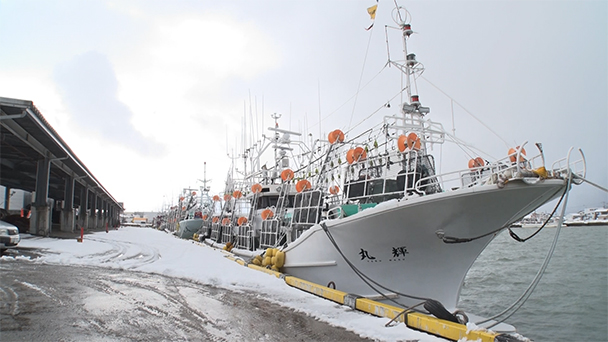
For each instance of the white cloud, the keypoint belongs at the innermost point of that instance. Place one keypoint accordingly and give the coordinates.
(184, 69)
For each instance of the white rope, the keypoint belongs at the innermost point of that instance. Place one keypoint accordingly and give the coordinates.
(528, 292)
(466, 110)
(352, 114)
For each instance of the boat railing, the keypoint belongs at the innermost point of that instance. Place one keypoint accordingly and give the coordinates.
(245, 236)
(492, 173)
(269, 234)
(227, 234)
(389, 176)
(428, 131)
(307, 211)
(566, 164)
(216, 229)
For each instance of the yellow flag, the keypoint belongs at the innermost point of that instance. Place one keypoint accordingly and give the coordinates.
(372, 11)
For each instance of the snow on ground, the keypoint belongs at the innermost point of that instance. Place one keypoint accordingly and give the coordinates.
(153, 251)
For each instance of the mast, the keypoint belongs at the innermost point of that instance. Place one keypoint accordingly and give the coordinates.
(412, 111)
(276, 116)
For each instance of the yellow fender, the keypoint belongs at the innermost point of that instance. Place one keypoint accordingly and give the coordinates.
(279, 259)
(267, 261)
(257, 260)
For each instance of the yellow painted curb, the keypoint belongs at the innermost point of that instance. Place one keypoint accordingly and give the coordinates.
(322, 291)
(426, 323)
(265, 270)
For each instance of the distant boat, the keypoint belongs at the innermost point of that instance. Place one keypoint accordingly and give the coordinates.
(588, 217)
(537, 220)
(193, 210)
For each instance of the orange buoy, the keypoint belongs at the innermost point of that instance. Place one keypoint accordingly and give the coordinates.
(205, 217)
(227, 197)
(181, 198)
(477, 162)
(413, 141)
(350, 156)
(334, 189)
(359, 154)
(225, 221)
(335, 136)
(256, 188)
(287, 175)
(183, 208)
(237, 194)
(216, 198)
(215, 219)
(402, 143)
(267, 214)
(513, 153)
(193, 193)
(303, 185)
(242, 220)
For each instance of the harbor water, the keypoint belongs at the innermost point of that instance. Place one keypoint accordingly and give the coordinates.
(570, 302)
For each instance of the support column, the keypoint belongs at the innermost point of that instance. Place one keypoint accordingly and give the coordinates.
(40, 221)
(111, 222)
(105, 214)
(7, 198)
(83, 211)
(67, 212)
(94, 213)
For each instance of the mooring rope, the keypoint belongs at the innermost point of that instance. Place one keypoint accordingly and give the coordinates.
(509, 311)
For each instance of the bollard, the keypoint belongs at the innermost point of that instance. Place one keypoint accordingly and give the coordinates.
(81, 234)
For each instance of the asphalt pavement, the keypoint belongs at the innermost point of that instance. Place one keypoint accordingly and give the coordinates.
(42, 302)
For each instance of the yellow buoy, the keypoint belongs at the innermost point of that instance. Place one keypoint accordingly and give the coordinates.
(279, 259)
(269, 252)
(266, 261)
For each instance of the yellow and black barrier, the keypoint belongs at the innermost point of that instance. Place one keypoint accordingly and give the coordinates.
(418, 321)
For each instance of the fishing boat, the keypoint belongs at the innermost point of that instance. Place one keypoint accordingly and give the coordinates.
(537, 220)
(192, 207)
(370, 214)
(588, 217)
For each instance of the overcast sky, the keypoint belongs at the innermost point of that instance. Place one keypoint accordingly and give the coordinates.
(144, 92)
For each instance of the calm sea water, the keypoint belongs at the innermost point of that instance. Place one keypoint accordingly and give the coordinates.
(571, 301)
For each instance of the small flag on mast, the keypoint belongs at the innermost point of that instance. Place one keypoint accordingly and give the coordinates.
(372, 11)
(372, 14)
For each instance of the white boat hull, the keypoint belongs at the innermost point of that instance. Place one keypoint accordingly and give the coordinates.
(398, 244)
(187, 228)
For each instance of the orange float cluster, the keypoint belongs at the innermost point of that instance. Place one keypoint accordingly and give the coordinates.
(513, 154)
(336, 136)
(303, 185)
(356, 155)
(476, 162)
(287, 175)
(410, 141)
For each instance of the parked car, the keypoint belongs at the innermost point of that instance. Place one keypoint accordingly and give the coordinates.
(9, 236)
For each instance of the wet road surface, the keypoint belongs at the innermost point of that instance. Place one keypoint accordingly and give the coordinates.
(41, 302)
